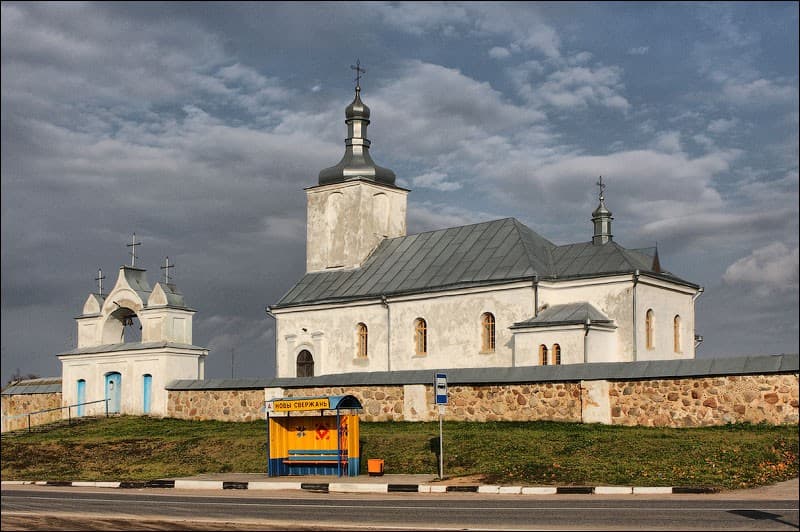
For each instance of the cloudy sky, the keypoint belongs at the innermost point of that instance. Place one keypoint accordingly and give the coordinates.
(197, 126)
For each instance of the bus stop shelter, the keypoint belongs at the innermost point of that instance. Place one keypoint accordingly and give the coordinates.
(313, 436)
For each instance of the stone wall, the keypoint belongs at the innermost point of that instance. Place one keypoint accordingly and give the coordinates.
(679, 402)
(223, 405)
(14, 408)
(381, 403)
(702, 401)
(517, 402)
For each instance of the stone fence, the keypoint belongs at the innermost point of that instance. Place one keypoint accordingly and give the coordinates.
(22, 398)
(663, 393)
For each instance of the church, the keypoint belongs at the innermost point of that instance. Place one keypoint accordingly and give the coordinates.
(374, 299)
(487, 295)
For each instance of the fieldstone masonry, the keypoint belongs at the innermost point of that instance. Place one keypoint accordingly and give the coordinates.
(705, 401)
(685, 402)
(223, 405)
(14, 408)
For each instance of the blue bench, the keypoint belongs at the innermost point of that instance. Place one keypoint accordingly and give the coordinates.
(307, 457)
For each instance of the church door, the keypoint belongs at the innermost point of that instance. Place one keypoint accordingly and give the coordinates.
(113, 392)
(147, 384)
(81, 396)
(305, 364)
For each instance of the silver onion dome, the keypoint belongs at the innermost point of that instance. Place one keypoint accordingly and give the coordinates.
(356, 162)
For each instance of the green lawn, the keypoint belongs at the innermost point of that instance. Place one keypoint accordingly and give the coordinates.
(535, 453)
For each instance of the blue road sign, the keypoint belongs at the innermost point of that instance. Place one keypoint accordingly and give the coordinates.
(440, 388)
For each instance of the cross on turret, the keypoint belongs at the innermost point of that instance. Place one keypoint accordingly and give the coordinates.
(359, 71)
(166, 267)
(602, 188)
(99, 280)
(133, 245)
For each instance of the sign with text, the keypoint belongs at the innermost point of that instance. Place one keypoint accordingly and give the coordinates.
(440, 388)
(294, 405)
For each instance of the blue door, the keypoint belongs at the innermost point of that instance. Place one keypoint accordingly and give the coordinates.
(147, 383)
(81, 396)
(113, 392)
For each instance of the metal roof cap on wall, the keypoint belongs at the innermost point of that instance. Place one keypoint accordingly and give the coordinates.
(660, 369)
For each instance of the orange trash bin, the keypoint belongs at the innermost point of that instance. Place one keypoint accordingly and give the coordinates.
(375, 467)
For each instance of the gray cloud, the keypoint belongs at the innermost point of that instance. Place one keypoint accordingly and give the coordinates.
(199, 128)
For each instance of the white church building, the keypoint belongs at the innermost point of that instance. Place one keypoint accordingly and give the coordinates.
(492, 294)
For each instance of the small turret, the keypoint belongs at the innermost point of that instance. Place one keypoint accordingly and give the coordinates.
(601, 218)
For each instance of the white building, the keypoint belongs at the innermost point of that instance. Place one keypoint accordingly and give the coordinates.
(493, 294)
(131, 343)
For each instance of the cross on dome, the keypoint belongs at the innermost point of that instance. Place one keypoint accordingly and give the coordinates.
(359, 71)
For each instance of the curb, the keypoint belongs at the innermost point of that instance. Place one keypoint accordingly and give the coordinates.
(355, 487)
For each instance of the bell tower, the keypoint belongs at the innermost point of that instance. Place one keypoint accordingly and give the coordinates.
(356, 203)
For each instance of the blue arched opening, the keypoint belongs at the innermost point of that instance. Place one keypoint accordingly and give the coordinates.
(81, 396)
(147, 386)
(113, 392)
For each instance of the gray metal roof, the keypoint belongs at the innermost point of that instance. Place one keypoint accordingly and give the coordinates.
(568, 314)
(219, 384)
(34, 386)
(174, 296)
(478, 254)
(655, 369)
(130, 346)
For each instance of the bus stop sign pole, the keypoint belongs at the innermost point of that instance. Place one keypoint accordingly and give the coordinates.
(440, 395)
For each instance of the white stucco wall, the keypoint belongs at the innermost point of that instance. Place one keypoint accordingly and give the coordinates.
(346, 221)
(602, 345)
(329, 334)
(667, 301)
(568, 337)
(613, 296)
(454, 331)
(454, 327)
(164, 365)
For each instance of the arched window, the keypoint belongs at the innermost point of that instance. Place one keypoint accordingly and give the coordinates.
(556, 355)
(487, 333)
(543, 355)
(305, 364)
(649, 323)
(420, 337)
(361, 331)
(676, 334)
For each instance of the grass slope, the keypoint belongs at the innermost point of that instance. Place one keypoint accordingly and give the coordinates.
(533, 453)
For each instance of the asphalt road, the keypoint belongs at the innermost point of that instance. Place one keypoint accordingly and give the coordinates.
(53, 508)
